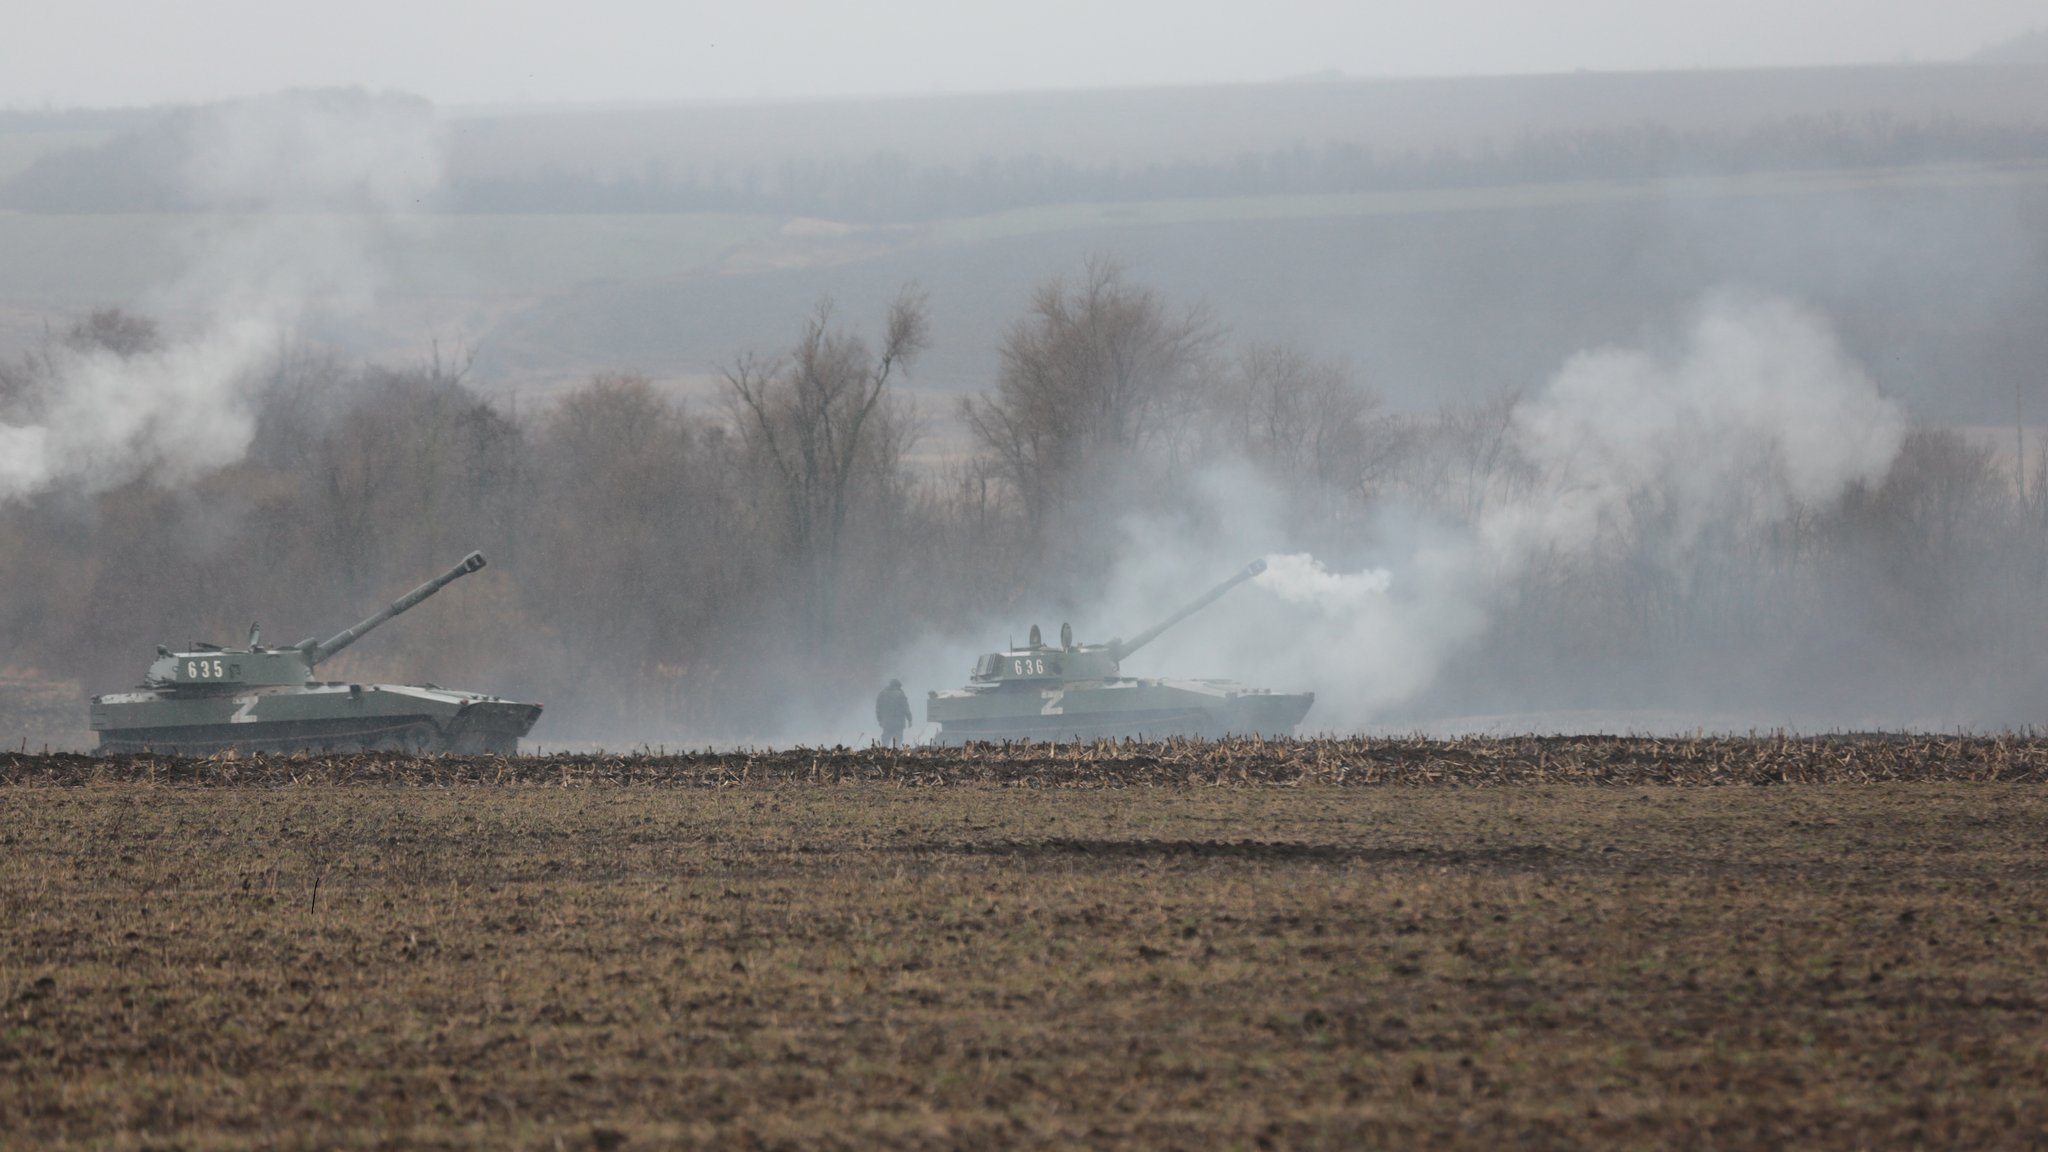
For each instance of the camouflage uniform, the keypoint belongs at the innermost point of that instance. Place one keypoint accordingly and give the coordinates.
(892, 710)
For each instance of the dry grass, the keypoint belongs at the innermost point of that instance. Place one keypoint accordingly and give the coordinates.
(227, 959)
(1359, 761)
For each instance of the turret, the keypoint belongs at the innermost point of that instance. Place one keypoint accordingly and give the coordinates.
(316, 653)
(1039, 662)
(1122, 648)
(210, 666)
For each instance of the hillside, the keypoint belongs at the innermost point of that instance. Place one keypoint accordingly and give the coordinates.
(1168, 125)
(1449, 238)
(1933, 284)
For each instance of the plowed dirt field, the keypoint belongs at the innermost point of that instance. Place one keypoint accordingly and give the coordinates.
(1527, 943)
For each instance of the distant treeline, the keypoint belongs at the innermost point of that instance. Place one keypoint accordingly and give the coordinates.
(889, 187)
(742, 569)
(143, 170)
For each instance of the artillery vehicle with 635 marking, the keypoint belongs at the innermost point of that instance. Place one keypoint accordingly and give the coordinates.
(258, 699)
(1079, 692)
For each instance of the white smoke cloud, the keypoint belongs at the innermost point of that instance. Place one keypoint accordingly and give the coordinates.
(1300, 578)
(297, 187)
(24, 458)
(1760, 411)
(173, 414)
(1360, 640)
(1754, 412)
(321, 151)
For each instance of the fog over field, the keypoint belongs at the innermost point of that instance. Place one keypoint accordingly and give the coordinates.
(1623, 398)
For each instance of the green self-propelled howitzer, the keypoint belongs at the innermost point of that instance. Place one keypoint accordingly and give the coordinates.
(258, 699)
(1075, 691)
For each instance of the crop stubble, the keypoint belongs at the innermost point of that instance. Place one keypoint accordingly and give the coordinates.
(1193, 946)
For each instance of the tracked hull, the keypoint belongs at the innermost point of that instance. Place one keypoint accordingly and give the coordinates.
(1117, 709)
(312, 718)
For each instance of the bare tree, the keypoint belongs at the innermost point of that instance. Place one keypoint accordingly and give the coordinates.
(23, 382)
(812, 417)
(1464, 458)
(124, 334)
(1306, 422)
(1097, 370)
(627, 568)
(408, 467)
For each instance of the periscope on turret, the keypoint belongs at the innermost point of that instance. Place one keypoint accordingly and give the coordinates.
(1079, 692)
(259, 699)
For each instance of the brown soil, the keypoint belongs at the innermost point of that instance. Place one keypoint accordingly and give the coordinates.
(1362, 761)
(361, 952)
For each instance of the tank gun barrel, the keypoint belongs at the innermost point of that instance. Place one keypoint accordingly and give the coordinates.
(315, 653)
(1122, 648)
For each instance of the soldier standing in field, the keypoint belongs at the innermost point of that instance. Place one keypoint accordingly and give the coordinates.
(892, 709)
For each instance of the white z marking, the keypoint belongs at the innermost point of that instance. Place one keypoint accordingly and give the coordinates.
(244, 714)
(1053, 696)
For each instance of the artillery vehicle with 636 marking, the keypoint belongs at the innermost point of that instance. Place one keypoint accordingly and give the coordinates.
(1079, 692)
(258, 699)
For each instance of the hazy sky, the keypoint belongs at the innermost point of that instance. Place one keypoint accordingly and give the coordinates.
(100, 52)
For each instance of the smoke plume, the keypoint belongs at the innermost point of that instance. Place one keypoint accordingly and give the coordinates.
(1752, 413)
(292, 189)
(1757, 412)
